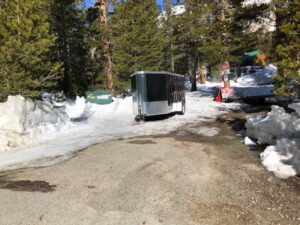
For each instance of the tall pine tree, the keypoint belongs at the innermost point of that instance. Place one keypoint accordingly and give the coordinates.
(195, 33)
(71, 49)
(26, 43)
(137, 41)
(287, 40)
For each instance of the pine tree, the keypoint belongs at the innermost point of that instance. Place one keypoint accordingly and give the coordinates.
(175, 55)
(137, 41)
(195, 33)
(241, 37)
(26, 45)
(71, 49)
(94, 68)
(166, 21)
(215, 46)
(287, 41)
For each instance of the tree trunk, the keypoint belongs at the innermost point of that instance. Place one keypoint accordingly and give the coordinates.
(192, 73)
(202, 75)
(101, 5)
(222, 5)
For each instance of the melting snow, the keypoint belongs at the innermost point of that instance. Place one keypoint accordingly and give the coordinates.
(282, 131)
(42, 133)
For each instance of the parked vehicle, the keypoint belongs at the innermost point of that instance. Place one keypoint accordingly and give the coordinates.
(157, 93)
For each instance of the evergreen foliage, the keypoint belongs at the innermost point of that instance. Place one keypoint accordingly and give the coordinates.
(94, 67)
(71, 49)
(288, 47)
(26, 44)
(196, 35)
(137, 40)
(241, 37)
(58, 44)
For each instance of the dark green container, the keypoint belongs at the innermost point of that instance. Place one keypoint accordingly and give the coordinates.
(100, 97)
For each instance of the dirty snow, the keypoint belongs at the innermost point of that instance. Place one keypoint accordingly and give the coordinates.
(281, 131)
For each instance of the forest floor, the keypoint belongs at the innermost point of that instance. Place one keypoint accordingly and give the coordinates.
(183, 178)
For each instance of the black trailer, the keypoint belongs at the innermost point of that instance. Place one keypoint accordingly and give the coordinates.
(157, 93)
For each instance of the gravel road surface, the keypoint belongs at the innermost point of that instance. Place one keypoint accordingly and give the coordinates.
(200, 174)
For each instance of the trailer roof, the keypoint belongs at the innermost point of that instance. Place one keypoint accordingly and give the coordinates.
(155, 72)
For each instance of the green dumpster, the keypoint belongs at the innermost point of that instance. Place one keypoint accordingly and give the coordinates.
(250, 57)
(100, 97)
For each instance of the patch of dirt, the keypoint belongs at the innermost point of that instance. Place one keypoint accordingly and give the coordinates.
(26, 185)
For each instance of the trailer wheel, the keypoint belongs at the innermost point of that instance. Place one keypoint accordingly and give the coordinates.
(137, 118)
(140, 118)
(182, 112)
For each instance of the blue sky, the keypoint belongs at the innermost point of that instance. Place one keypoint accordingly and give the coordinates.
(91, 2)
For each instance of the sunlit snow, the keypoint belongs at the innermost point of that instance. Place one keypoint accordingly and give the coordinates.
(84, 124)
(281, 131)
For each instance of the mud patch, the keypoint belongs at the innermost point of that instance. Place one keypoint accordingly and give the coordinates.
(142, 142)
(26, 185)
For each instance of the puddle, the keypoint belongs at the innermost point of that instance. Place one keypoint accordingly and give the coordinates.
(26, 185)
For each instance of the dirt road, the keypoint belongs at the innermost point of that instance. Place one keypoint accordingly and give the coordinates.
(200, 174)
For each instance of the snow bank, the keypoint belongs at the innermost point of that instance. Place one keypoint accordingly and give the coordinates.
(282, 131)
(86, 124)
(283, 158)
(78, 109)
(277, 124)
(22, 118)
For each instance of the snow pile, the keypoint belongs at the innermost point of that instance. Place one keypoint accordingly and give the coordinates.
(277, 124)
(282, 131)
(284, 158)
(78, 109)
(22, 118)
